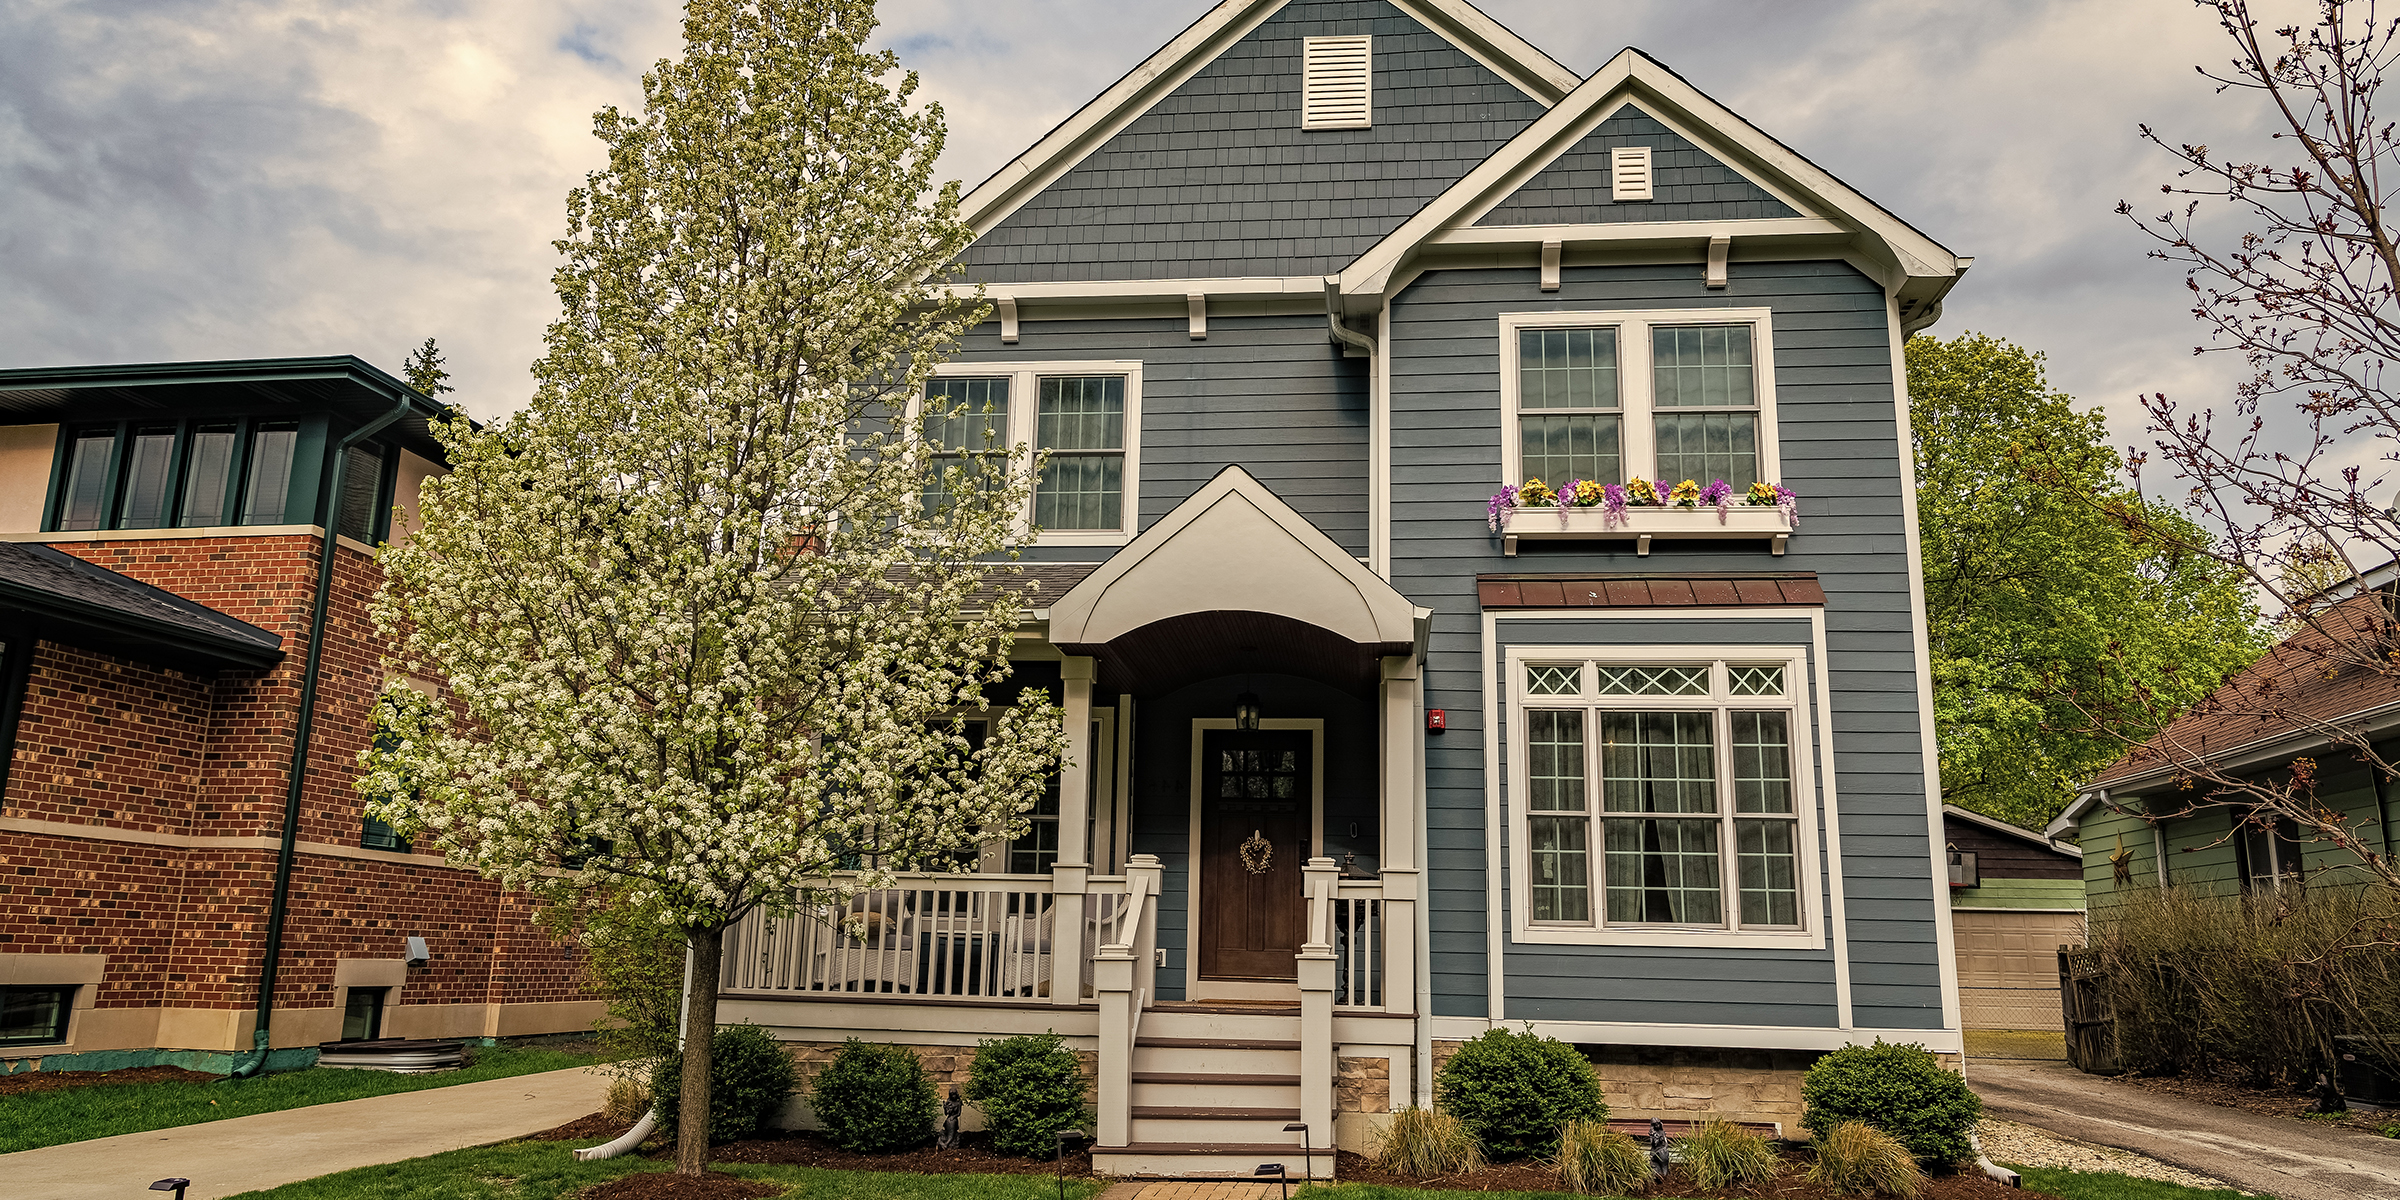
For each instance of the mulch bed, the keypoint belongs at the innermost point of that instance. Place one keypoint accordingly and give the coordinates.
(53, 1081)
(2265, 1103)
(667, 1185)
(1525, 1177)
(802, 1149)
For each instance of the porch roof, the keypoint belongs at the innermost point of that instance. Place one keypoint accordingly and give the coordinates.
(1728, 589)
(77, 602)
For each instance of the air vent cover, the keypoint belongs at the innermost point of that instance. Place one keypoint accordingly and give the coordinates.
(1629, 172)
(1337, 83)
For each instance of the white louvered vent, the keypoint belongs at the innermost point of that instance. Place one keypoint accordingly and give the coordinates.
(1337, 83)
(1629, 172)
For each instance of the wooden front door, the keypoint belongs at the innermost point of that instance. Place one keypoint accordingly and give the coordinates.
(1254, 789)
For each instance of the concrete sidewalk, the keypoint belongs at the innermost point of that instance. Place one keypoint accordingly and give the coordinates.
(242, 1154)
(2290, 1160)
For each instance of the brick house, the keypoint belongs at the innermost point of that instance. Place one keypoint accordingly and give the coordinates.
(161, 540)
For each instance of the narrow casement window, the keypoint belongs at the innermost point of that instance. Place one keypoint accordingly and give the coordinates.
(35, 1016)
(1570, 419)
(1035, 851)
(362, 482)
(1659, 788)
(1765, 826)
(1629, 173)
(374, 834)
(1337, 83)
(149, 461)
(1705, 387)
(1081, 427)
(966, 426)
(208, 476)
(271, 450)
(1558, 815)
(2271, 851)
(84, 505)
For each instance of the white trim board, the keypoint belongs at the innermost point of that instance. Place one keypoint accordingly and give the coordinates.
(1837, 919)
(1239, 989)
(1711, 1037)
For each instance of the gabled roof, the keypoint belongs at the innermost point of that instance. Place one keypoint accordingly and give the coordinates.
(1996, 825)
(76, 602)
(1922, 268)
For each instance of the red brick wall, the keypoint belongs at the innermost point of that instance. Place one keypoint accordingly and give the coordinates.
(107, 742)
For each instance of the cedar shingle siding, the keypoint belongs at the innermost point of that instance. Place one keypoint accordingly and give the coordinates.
(1219, 180)
(1689, 184)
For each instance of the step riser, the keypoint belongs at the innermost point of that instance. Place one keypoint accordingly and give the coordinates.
(1189, 1130)
(1182, 1166)
(1216, 1095)
(1248, 1027)
(1184, 1060)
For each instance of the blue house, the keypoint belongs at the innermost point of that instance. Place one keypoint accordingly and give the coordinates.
(1316, 311)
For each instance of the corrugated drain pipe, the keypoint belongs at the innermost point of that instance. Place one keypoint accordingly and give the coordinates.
(256, 1061)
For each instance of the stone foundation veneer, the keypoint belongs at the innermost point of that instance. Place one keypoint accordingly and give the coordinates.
(1363, 1085)
(1686, 1083)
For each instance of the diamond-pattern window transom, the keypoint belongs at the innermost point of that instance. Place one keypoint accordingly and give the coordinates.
(1554, 680)
(1653, 681)
(1757, 681)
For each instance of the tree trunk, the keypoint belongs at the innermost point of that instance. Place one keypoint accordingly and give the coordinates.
(699, 1040)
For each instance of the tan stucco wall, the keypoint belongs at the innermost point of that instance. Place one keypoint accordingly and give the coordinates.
(25, 453)
(405, 489)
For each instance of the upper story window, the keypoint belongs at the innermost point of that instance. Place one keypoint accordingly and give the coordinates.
(1084, 418)
(1662, 396)
(205, 475)
(2270, 852)
(1662, 795)
(1337, 82)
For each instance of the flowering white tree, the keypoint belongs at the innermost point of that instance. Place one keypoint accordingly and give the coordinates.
(708, 610)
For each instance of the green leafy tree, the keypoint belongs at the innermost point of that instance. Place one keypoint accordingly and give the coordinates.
(424, 371)
(2060, 629)
(708, 648)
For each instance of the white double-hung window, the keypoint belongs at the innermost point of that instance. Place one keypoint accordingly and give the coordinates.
(1662, 795)
(1661, 396)
(1082, 418)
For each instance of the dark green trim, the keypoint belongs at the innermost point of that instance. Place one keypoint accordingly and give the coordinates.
(16, 674)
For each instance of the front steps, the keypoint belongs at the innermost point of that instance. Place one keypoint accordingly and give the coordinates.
(1213, 1088)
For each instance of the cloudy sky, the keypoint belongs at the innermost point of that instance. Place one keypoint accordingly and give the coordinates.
(228, 178)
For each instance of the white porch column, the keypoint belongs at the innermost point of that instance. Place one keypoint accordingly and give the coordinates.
(1400, 859)
(1316, 963)
(1070, 877)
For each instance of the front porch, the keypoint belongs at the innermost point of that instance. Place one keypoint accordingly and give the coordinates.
(1222, 911)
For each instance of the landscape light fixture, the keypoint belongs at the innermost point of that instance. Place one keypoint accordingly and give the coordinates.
(1307, 1156)
(1247, 710)
(1065, 1136)
(171, 1185)
(1276, 1170)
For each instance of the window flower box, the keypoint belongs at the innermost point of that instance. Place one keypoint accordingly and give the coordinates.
(1592, 512)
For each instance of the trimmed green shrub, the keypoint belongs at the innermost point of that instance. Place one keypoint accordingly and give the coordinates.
(749, 1079)
(1423, 1143)
(1595, 1160)
(1722, 1154)
(1030, 1089)
(1902, 1090)
(1517, 1090)
(1857, 1159)
(874, 1099)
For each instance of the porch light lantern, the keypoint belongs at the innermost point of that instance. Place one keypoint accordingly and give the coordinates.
(1247, 710)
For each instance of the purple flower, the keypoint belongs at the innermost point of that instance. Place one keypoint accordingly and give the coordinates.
(1612, 506)
(1566, 500)
(1502, 501)
(1719, 494)
(1789, 505)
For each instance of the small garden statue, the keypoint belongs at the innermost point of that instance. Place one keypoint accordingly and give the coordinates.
(948, 1139)
(1658, 1148)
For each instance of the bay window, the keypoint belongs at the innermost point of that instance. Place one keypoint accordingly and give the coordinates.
(1663, 795)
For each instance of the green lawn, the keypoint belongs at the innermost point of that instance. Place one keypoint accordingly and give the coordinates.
(37, 1119)
(546, 1171)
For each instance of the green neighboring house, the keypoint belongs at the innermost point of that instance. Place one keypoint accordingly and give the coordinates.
(2276, 711)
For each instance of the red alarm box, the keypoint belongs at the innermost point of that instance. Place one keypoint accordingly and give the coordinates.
(1435, 722)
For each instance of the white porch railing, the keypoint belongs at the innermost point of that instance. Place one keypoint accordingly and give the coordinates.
(1356, 918)
(951, 937)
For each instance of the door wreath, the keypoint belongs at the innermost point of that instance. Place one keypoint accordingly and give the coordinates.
(1258, 854)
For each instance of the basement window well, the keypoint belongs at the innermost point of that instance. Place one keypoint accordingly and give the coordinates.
(35, 1016)
(362, 1014)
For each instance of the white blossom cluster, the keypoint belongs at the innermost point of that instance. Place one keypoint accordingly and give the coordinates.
(700, 634)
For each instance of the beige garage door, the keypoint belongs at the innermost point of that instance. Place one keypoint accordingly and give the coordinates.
(2008, 966)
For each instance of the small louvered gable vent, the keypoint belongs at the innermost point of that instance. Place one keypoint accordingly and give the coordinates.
(1629, 170)
(1337, 83)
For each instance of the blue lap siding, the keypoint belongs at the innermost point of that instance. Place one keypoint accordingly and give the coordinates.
(1840, 451)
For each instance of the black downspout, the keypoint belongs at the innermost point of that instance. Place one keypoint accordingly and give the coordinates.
(332, 509)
